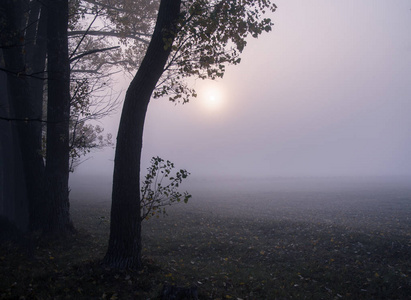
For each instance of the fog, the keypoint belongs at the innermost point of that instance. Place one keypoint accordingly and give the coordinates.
(359, 204)
(325, 94)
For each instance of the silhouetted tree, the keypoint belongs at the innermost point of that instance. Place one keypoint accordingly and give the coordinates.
(124, 248)
(58, 115)
(23, 37)
(20, 35)
(23, 43)
(190, 38)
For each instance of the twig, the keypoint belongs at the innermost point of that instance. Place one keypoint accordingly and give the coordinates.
(92, 52)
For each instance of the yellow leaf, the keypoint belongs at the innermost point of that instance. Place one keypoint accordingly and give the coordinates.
(114, 297)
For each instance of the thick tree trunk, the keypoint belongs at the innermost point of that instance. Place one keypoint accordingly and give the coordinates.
(124, 249)
(35, 59)
(13, 197)
(36, 62)
(24, 105)
(58, 114)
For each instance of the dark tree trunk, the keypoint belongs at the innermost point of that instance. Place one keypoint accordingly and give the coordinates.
(124, 249)
(35, 49)
(13, 198)
(58, 114)
(14, 41)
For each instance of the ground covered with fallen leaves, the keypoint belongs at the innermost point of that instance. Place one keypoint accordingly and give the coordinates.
(337, 242)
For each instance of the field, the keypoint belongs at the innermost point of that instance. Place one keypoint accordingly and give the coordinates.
(235, 240)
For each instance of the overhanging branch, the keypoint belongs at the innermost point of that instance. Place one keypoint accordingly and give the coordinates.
(112, 34)
(26, 120)
(92, 52)
(23, 74)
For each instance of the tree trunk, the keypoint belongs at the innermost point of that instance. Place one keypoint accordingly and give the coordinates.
(58, 114)
(13, 197)
(22, 101)
(35, 59)
(124, 249)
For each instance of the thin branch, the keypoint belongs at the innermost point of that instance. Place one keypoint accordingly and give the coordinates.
(106, 6)
(26, 120)
(111, 7)
(96, 72)
(92, 52)
(112, 34)
(23, 74)
(83, 37)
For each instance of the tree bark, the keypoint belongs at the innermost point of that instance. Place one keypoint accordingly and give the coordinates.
(58, 114)
(13, 197)
(35, 49)
(23, 103)
(124, 249)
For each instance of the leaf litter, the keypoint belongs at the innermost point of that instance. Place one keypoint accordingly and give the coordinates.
(229, 253)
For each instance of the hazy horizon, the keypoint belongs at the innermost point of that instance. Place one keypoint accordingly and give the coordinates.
(325, 94)
(98, 188)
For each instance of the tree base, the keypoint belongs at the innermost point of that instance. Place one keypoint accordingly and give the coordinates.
(122, 263)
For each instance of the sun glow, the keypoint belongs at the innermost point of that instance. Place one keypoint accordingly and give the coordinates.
(212, 98)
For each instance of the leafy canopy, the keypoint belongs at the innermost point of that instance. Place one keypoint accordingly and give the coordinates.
(209, 36)
(107, 36)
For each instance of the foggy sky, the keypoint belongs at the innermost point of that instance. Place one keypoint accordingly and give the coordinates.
(326, 93)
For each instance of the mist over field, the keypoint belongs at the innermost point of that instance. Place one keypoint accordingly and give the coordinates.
(351, 201)
(276, 238)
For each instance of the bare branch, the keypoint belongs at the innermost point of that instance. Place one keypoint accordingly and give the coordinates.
(112, 34)
(92, 52)
(95, 71)
(26, 120)
(24, 74)
(82, 38)
(106, 6)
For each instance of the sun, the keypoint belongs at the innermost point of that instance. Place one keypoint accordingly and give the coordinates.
(212, 98)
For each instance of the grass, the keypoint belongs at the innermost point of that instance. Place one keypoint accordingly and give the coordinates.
(232, 249)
